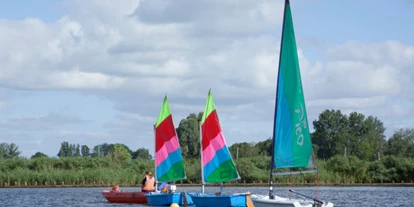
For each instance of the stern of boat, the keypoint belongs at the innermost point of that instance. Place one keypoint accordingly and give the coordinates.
(264, 201)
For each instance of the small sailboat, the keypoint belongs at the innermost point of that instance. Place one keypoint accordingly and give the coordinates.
(217, 165)
(169, 165)
(125, 197)
(291, 146)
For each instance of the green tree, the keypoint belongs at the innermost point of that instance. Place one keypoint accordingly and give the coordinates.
(264, 147)
(119, 153)
(9, 150)
(65, 150)
(77, 151)
(85, 151)
(338, 134)
(39, 155)
(141, 153)
(402, 143)
(330, 134)
(2, 150)
(244, 149)
(189, 135)
(104, 149)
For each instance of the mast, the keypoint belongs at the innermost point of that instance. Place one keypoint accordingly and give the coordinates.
(274, 123)
(201, 160)
(155, 157)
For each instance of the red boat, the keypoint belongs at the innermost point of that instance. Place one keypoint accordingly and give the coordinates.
(125, 197)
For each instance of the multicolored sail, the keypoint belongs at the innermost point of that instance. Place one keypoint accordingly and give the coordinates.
(169, 165)
(217, 164)
(292, 143)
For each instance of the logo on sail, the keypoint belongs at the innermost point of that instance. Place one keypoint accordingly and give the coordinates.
(300, 124)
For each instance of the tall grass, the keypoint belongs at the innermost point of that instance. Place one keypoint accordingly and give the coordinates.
(102, 170)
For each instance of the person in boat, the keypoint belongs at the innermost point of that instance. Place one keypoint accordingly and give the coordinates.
(115, 189)
(163, 187)
(148, 183)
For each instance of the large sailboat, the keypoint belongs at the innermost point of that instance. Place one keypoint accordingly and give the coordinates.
(291, 146)
(169, 165)
(217, 165)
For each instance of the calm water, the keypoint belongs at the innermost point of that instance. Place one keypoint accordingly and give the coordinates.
(340, 196)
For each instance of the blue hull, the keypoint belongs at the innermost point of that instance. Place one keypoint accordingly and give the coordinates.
(211, 200)
(162, 199)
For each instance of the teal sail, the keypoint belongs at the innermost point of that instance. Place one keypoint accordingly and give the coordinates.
(292, 146)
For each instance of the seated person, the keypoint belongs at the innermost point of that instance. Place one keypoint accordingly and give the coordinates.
(115, 189)
(163, 187)
(148, 182)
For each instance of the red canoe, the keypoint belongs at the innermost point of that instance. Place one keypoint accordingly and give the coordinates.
(125, 197)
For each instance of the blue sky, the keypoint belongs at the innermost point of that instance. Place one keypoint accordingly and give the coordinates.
(90, 72)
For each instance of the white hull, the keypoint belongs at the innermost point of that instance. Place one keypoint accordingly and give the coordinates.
(264, 201)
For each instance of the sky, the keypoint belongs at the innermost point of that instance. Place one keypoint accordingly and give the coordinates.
(93, 72)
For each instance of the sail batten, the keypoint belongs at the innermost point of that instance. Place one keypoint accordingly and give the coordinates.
(217, 163)
(169, 165)
(292, 147)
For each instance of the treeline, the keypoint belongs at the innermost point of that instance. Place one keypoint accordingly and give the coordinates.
(103, 150)
(349, 148)
(335, 134)
(9, 150)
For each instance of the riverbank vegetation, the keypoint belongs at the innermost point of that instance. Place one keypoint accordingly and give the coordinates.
(349, 149)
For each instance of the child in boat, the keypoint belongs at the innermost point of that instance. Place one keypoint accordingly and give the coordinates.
(115, 189)
(163, 187)
(148, 182)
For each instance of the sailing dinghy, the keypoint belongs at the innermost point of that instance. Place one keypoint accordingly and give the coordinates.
(125, 197)
(169, 165)
(291, 146)
(217, 165)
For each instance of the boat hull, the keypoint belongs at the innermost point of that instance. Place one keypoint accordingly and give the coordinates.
(163, 199)
(212, 200)
(125, 197)
(264, 201)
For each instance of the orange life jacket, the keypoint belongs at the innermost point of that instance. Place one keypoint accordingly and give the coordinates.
(149, 183)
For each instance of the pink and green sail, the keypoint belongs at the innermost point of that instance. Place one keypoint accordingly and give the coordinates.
(217, 164)
(169, 165)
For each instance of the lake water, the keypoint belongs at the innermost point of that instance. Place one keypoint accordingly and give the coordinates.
(340, 196)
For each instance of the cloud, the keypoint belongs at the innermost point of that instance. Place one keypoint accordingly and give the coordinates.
(43, 122)
(212, 17)
(3, 105)
(130, 121)
(134, 52)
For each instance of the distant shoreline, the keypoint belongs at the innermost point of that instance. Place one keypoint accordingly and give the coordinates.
(228, 184)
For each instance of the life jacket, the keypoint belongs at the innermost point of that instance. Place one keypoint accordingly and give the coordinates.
(149, 183)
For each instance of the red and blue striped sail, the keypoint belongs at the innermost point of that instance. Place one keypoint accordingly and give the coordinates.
(169, 165)
(217, 163)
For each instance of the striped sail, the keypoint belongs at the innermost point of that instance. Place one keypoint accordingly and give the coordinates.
(169, 165)
(217, 164)
(292, 143)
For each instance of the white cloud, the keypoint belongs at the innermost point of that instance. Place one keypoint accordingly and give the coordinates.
(42, 122)
(135, 52)
(213, 17)
(83, 80)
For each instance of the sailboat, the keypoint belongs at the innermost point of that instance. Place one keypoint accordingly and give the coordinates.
(217, 165)
(169, 165)
(291, 146)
